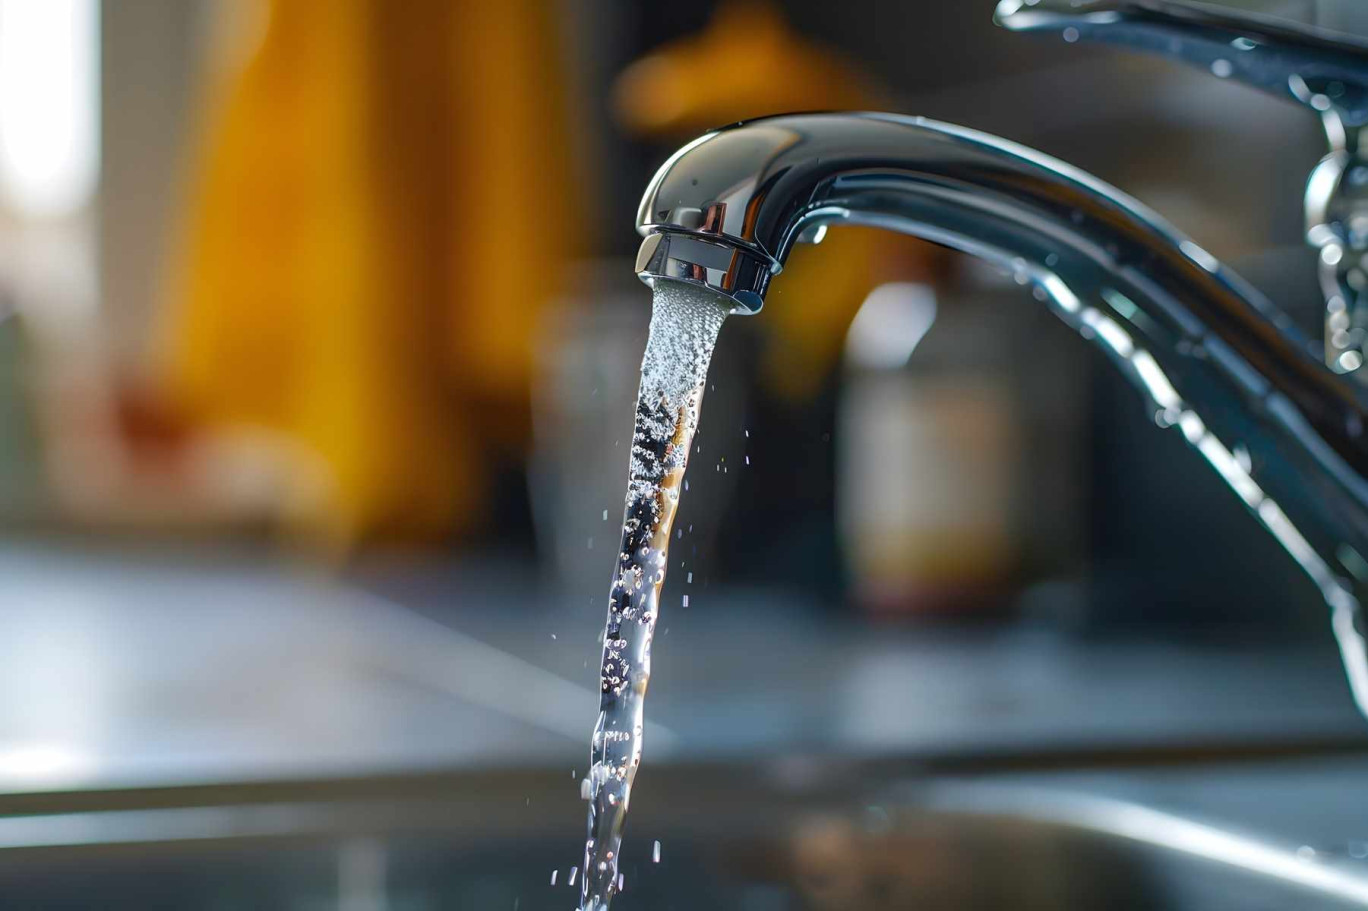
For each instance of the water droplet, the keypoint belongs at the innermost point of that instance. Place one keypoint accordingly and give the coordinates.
(570, 880)
(1221, 67)
(655, 852)
(553, 876)
(686, 601)
(1071, 34)
(605, 515)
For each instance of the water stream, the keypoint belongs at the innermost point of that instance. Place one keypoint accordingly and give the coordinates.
(684, 324)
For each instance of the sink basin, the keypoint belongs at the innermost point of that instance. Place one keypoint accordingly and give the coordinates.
(796, 834)
(384, 774)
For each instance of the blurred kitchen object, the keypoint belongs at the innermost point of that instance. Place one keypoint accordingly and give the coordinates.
(758, 66)
(22, 487)
(959, 450)
(49, 167)
(927, 447)
(350, 275)
(50, 162)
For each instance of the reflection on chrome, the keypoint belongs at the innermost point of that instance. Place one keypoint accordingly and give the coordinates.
(1291, 50)
(1210, 355)
(1131, 821)
(1235, 472)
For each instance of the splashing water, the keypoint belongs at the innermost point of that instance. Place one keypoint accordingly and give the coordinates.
(684, 326)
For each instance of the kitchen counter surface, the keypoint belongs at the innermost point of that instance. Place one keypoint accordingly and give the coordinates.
(123, 672)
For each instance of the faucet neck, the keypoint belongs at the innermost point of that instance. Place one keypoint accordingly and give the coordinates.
(1211, 356)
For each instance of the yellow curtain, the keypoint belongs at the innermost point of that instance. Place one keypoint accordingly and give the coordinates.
(374, 181)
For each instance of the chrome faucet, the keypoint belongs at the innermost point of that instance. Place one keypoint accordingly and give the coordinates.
(1296, 54)
(1211, 357)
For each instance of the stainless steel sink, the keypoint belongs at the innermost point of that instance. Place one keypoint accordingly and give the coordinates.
(268, 751)
(798, 834)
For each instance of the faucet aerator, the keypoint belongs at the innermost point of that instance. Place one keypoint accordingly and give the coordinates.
(727, 268)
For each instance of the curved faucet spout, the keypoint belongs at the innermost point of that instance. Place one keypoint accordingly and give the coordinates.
(1211, 357)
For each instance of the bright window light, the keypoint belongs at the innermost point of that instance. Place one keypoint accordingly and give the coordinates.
(49, 105)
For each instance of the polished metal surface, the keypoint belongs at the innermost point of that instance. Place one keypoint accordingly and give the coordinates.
(1212, 358)
(1319, 59)
(1337, 225)
(1322, 67)
(815, 834)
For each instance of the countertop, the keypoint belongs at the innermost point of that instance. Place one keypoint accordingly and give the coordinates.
(127, 671)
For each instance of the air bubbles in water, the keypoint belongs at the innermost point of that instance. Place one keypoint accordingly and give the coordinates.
(684, 326)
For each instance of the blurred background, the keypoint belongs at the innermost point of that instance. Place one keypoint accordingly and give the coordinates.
(318, 346)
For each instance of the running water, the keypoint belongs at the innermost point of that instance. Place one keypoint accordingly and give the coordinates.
(684, 325)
